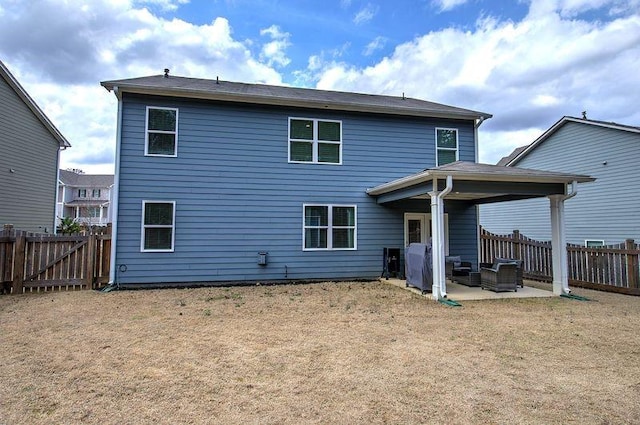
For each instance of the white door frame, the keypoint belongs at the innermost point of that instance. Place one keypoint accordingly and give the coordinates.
(426, 228)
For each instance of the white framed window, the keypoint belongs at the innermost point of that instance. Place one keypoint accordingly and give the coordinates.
(329, 227)
(161, 130)
(82, 193)
(315, 141)
(158, 226)
(593, 243)
(95, 193)
(446, 145)
(93, 212)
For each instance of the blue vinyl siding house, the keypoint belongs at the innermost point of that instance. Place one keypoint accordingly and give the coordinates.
(210, 174)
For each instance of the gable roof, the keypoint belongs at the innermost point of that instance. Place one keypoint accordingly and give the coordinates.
(521, 152)
(24, 96)
(287, 96)
(70, 178)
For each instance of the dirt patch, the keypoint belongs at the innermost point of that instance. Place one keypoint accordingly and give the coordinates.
(319, 353)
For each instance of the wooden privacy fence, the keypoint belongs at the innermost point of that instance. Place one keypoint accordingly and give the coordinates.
(614, 268)
(30, 262)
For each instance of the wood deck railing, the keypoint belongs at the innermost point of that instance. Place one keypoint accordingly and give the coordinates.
(614, 268)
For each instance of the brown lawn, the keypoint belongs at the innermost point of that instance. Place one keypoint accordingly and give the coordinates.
(323, 353)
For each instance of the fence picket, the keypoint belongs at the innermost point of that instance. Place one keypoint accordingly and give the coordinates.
(34, 263)
(611, 268)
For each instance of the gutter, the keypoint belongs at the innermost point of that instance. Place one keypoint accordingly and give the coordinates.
(115, 193)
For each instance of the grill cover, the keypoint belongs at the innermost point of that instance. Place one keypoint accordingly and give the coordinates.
(418, 266)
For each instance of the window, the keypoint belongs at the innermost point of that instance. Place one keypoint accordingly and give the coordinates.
(315, 141)
(329, 227)
(593, 243)
(95, 193)
(93, 212)
(162, 132)
(447, 145)
(158, 225)
(82, 193)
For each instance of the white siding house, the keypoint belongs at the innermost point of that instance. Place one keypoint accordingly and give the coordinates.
(85, 197)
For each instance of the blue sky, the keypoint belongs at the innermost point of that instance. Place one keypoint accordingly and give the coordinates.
(526, 62)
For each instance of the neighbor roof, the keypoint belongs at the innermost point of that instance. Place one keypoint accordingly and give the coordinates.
(287, 96)
(71, 178)
(21, 92)
(519, 153)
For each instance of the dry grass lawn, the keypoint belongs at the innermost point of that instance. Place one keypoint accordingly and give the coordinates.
(351, 353)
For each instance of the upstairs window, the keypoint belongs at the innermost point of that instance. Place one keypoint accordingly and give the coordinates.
(82, 193)
(446, 145)
(328, 227)
(162, 132)
(158, 226)
(95, 193)
(315, 141)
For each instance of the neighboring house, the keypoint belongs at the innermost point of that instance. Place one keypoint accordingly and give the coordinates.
(219, 181)
(85, 197)
(30, 146)
(604, 212)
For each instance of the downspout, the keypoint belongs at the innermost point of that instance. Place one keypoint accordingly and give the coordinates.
(115, 193)
(561, 257)
(439, 290)
(477, 124)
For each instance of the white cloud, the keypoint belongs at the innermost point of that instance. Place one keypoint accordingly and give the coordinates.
(446, 5)
(165, 5)
(376, 44)
(365, 14)
(273, 52)
(528, 73)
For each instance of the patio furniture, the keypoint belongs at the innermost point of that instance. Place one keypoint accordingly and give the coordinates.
(454, 266)
(518, 271)
(500, 277)
(470, 279)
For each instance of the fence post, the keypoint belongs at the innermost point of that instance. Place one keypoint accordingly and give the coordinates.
(90, 260)
(516, 245)
(632, 264)
(18, 262)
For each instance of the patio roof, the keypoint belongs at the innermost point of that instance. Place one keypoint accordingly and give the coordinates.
(480, 183)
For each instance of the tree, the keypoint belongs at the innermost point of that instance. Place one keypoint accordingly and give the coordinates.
(68, 226)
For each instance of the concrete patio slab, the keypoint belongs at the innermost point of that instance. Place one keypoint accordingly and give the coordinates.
(459, 292)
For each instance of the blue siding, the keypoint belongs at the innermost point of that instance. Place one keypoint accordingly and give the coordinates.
(236, 194)
(606, 209)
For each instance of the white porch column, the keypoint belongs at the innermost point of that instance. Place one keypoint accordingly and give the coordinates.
(439, 288)
(559, 245)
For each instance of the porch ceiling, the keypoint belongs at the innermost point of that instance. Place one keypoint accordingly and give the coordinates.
(478, 183)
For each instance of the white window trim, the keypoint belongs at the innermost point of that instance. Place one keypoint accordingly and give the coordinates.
(586, 242)
(330, 227)
(457, 149)
(143, 226)
(146, 132)
(314, 142)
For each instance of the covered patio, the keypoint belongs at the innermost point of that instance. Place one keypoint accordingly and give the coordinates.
(477, 184)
